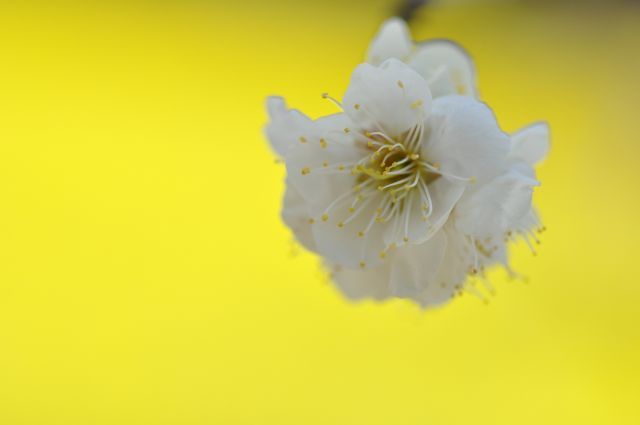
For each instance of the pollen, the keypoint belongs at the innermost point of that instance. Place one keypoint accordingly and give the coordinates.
(363, 264)
(341, 225)
(323, 143)
(325, 217)
(400, 84)
(325, 164)
(347, 130)
(305, 171)
(303, 139)
(383, 255)
(356, 107)
(360, 234)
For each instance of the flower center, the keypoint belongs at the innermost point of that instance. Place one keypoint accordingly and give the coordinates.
(396, 169)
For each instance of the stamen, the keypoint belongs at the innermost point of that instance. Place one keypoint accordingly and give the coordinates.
(326, 96)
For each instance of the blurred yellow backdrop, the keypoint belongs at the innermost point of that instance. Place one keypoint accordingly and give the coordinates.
(146, 278)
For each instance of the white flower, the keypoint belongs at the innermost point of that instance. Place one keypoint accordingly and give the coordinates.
(404, 194)
(445, 66)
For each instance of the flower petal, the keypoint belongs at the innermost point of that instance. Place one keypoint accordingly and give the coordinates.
(496, 206)
(392, 41)
(351, 240)
(286, 125)
(357, 284)
(414, 267)
(444, 194)
(296, 216)
(391, 98)
(531, 143)
(320, 163)
(465, 139)
(446, 66)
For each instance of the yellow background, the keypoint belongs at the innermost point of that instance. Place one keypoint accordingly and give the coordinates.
(146, 278)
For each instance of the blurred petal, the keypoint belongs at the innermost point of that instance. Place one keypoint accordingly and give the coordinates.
(392, 41)
(531, 144)
(446, 66)
(286, 126)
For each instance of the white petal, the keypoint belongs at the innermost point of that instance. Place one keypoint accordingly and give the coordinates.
(286, 125)
(415, 267)
(496, 206)
(391, 98)
(392, 41)
(446, 66)
(465, 139)
(452, 271)
(444, 195)
(358, 284)
(531, 144)
(312, 165)
(351, 242)
(296, 216)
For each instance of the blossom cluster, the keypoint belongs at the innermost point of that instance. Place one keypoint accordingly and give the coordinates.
(413, 187)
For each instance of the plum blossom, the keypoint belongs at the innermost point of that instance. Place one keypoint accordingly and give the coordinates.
(413, 186)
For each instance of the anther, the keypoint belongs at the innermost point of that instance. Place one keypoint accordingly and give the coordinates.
(362, 264)
(414, 156)
(400, 84)
(305, 171)
(341, 225)
(383, 255)
(416, 104)
(360, 234)
(302, 139)
(356, 107)
(311, 221)
(325, 217)
(323, 143)
(325, 164)
(347, 130)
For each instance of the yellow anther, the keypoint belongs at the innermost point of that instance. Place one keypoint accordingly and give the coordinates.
(436, 165)
(351, 209)
(305, 171)
(302, 139)
(416, 104)
(341, 167)
(405, 239)
(325, 95)
(325, 164)
(357, 188)
(347, 130)
(370, 144)
(400, 84)
(356, 106)
(368, 134)
(379, 210)
(341, 225)
(325, 217)
(362, 264)
(359, 197)
(360, 234)
(383, 255)
(323, 143)
(311, 221)
(414, 156)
